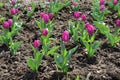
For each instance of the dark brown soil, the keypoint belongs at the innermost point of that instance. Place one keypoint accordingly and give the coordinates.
(105, 65)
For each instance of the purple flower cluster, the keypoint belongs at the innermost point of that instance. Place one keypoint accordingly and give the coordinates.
(46, 17)
(7, 24)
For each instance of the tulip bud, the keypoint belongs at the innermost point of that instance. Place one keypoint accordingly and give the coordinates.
(90, 29)
(50, 15)
(118, 22)
(13, 11)
(16, 11)
(29, 9)
(45, 32)
(102, 7)
(6, 25)
(41, 14)
(101, 2)
(13, 2)
(65, 36)
(46, 18)
(83, 16)
(76, 15)
(74, 3)
(10, 22)
(115, 2)
(87, 25)
(36, 43)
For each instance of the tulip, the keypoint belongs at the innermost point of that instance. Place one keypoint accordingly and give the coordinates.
(41, 14)
(50, 15)
(36, 43)
(76, 15)
(118, 22)
(6, 25)
(115, 2)
(13, 11)
(65, 36)
(101, 2)
(90, 29)
(75, 3)
(10, 21)
(102, 7)
(87, 25)
(16, 10)
(45, 32)
(83, 16)
(29, 9)
(13, 2)
(46, 18)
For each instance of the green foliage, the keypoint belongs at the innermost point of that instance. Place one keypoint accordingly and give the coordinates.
(96, 13)
(34, 63)
(1, 5)
(30, 13)
(62, 60)
(90, 44)
(105, 30)
(112, 6)
(41, 25)
(14, 47)
(56, 6)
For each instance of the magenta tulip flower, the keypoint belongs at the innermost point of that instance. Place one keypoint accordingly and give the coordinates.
(90, 29)
(29, 9)
(13, 11)
(36, 43)
(50, 15)
(87, 25)
(6, 25)
(41, 14)
(10, 21)
(83, 16)
(65, 36)
(115, 2)
(74, 3)
(102, 8)
(118, 22)
(13, 2)
(45, 32)
(76, 15)
(101, 2)
(45, 18)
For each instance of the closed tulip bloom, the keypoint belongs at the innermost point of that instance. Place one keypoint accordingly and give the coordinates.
(10, 21)
(6, 25)
(76, 15)
(65, 36)
(87, 25)
(118, 22)
(46, 18)
(102, 8)
(45, 32)
(41, 14)
(29, 9)
(83, 16)
(74, 3)
(36, 43)
(101, 2)
(13, 11)
(50, 15)
(115, 2)
(90, 29)
(13, 2)
(16, 10)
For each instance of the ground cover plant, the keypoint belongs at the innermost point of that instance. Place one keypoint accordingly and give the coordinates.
(60, 40)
